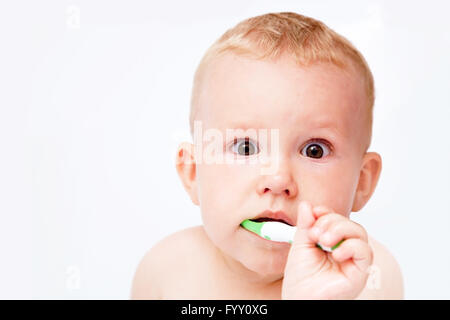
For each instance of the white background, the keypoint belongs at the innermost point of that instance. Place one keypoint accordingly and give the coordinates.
(95, 97)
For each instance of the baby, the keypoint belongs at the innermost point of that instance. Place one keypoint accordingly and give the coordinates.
(313, 93)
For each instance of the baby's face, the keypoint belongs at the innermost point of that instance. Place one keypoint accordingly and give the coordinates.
(321, 117)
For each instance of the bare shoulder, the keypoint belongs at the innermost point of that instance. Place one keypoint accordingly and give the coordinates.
(163, 260)
(385, 279)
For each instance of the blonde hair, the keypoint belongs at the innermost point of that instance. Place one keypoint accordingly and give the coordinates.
(268, 35)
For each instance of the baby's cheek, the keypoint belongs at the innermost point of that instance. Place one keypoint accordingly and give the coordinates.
(344, 186)
(331, 186)
(215, 199)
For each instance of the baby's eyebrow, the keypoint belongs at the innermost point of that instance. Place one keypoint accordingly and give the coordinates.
(322, 124)
(305, 125)
(331, 129)
(242, 125)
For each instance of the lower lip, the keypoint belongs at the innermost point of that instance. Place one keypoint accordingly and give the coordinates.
(267, 242)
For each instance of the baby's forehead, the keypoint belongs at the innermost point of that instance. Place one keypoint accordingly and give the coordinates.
(245, 93)
(233, 66)
(256, 91)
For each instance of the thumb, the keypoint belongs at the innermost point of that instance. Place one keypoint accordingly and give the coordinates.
(305, 215)
(305, 220)
(304, 256)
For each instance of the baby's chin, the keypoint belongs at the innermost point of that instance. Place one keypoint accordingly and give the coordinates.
(267, 263)
(270, 269)
(264, 258)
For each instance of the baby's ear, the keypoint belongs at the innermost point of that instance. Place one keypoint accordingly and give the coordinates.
(186, 168)
(368, 178)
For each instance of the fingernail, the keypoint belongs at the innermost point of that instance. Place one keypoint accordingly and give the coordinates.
(305, 205)
(316, 232)
(327, 236)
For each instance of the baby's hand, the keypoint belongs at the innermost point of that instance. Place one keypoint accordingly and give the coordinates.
(312, 273)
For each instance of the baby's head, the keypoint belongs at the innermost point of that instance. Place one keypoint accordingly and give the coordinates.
(292, 73)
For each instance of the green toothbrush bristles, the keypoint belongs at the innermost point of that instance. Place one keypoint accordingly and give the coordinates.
(252, 226)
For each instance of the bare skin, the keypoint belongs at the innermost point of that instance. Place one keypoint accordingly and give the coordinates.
(206, 275)
(318, 104)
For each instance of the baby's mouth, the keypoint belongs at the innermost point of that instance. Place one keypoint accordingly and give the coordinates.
(270, 219)
(269, 215)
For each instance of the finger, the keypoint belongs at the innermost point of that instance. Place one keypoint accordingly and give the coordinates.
(355, 257)
(305, 216)
(343, 229)
(303, 250)
(321, 225)
(305, 219)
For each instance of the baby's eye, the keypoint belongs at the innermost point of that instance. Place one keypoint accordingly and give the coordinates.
(316, 150)
(244, 147)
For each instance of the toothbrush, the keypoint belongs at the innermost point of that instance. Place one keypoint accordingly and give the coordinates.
(278, 231)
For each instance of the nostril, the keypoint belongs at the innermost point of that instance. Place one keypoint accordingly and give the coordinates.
(266, 189)
(287, 191)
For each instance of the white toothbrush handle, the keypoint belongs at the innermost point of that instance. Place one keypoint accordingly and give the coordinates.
(277, 231)
(282, 232)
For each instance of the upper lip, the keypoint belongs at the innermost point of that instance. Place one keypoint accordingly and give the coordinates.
(276, 215)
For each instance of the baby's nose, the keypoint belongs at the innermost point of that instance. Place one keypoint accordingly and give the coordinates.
(280, 183)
